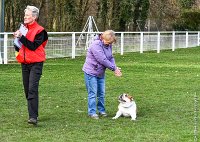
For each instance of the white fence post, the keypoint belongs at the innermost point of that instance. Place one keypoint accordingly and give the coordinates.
(122, 43)
(158, 43)
(73, 45)
(186, 40)
(0, 51)
(5, 56)
(0, 58)
(198, 39)
(141, 42)
(173, 41)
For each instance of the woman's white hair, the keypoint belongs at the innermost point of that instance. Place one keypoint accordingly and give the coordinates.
(109, 36)
(35, 10)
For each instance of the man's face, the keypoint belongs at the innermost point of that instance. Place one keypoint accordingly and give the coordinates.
(28, 18)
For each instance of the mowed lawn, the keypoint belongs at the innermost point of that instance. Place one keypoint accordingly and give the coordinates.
(165, 87)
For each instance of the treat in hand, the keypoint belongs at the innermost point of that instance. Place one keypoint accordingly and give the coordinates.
(118, 72)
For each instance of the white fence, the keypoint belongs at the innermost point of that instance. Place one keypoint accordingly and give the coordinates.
(72, 44)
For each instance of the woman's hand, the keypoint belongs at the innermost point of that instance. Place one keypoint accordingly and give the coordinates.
(118, 72)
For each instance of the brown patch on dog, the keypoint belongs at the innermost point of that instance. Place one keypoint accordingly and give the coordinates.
(130, 97)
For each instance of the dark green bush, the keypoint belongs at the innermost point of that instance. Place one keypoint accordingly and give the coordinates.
(189, 20)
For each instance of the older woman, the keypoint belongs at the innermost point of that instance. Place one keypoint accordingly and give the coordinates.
(99, 57)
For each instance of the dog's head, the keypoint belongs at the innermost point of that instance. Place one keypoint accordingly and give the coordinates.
(125, 98)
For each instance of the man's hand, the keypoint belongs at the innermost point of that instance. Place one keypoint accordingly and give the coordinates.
(17, 34)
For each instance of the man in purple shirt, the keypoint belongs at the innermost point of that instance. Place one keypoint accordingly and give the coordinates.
(99, 57)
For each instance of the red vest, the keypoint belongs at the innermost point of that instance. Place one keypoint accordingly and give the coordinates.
(28, 56)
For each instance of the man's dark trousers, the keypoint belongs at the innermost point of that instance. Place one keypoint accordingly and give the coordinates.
(31, 74)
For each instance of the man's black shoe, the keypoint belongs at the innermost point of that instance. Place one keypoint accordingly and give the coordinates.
(32, 121)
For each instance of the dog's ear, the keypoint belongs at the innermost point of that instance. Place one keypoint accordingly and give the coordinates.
(131, 98)
(120, 97)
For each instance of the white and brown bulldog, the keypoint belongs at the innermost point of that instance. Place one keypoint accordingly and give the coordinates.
(127, 107)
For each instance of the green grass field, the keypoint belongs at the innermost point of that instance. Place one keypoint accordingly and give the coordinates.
(164, 86)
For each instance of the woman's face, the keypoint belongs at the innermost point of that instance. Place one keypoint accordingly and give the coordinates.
(107, 42)
(108, 38)
(28, 17)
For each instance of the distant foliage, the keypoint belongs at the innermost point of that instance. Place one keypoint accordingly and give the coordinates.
(119, 15)
(187, 3)
(190, 20)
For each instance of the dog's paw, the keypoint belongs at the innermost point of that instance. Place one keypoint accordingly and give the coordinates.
(133, 119)
(114, 118)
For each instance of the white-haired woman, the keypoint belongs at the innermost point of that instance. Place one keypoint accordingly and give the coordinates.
(31, 55)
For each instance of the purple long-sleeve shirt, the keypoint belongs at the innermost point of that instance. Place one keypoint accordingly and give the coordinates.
(98, 58)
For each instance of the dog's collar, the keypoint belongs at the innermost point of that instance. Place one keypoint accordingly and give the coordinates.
(127, 105)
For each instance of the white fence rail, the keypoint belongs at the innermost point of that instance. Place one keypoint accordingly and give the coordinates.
(72, 44)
